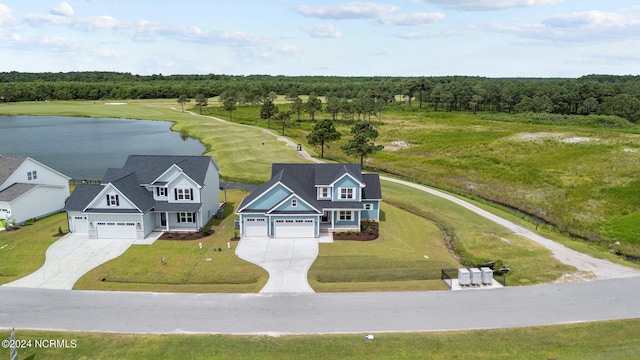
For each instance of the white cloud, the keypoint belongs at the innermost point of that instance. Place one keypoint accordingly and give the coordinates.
(5, 15)
(353, 10)
(414, 19)
(589, 18)
(63, 9)
(322, 31)
(483, 5)
(96, 23)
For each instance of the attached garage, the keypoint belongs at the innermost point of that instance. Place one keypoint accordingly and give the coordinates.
(255, 227)
(80, 224)
(116, 230)
(294, 228)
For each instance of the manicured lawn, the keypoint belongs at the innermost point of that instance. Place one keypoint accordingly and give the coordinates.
(187, 268)
(23, 251)
(600, 340)
(395, 261)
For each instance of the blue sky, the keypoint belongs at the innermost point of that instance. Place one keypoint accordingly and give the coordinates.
(494, 38)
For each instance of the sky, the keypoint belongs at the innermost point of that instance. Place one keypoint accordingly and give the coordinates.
(492, 38)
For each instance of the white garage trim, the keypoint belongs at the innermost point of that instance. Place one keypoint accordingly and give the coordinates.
(294, 228)
(80, 224)
(116, 230)
(255, 227)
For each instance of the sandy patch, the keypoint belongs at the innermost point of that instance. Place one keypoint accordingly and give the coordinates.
(115, 103)
(396, 145)
(539, 137)
(630, 150)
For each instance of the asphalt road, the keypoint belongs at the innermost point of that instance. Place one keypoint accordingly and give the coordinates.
(325, 313)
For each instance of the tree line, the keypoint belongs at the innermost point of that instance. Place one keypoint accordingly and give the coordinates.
(591, 94)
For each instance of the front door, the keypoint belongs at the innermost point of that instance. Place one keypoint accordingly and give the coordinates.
(163, 219)
(326, 216)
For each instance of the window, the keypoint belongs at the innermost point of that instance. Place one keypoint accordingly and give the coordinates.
(161, 191)
(346, 216)
(32, 175)
(184, 194)
(186, 217)
(113, 200)
(368, 206)
(346, 193)
(324, 193)
(294, 202)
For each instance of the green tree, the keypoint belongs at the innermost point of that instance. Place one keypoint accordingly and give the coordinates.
(268, 110)
(201, 101)
(229, 104)
(282, 118)
(362, 142)
(313, 105)
(323, 132)
(182, 100)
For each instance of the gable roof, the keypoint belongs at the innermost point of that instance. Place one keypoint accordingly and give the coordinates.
(8, 165)
(15, 191)
(149, 167)
(81, 196)
(302, 179)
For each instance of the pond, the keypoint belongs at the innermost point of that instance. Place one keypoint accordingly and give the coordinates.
(84, 148)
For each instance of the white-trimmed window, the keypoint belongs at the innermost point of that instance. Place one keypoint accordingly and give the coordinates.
(186, 217)
(113, 200)
(184, 193)
(32, 175)
(161, 191)
(368, 206)
(324, 193)
(347, 193)
(294, 202)
(345, 215)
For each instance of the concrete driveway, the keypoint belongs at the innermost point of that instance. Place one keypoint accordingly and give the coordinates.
(69, 258)
(287, 260)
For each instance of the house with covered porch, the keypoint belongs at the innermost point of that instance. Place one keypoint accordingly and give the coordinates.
(304, 200)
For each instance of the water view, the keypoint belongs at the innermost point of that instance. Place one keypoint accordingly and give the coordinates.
(84, 148)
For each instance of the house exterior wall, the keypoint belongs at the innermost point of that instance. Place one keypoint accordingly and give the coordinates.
(38, 202)
(374, 213)
(354, 223)
(287, 205)
(271, 198)
(101, 200)
(346, 182)
(45, 175)
(210, 194)
(5, 209)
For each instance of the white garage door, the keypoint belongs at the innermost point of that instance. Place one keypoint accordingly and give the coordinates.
(255, 227)
(116, 230)
(80, 224)
(295, 228)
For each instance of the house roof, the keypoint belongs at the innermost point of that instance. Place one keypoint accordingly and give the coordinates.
(303, 179)
(9, 164)
(130, 187)
(149, 167)
(81, 196)
(14, 191)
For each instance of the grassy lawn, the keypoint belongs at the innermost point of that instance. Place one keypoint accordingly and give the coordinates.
(187, 268)
(395, 261)
(600, 340)
(23, 251)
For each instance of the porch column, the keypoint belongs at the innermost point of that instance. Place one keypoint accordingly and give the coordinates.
(166, 225)
(333, 219)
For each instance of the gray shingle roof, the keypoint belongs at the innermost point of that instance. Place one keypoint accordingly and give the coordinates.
(303, 178)
(9, 164)
(14, 191)
(149, 167)
(81, 196)
(130, 187)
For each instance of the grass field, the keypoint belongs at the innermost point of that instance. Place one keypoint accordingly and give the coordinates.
(601, 340)
(23, 251)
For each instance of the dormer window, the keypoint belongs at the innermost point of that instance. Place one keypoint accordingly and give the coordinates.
(294, 202)
(161, 191)
(324, 193)
(347, 193)
(113, 200)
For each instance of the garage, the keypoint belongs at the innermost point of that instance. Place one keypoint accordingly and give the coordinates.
(80, 224)
(255, 227)
(294, 228)
(116, 230)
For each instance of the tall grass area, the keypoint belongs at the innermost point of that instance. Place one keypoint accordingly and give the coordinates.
(600, 340)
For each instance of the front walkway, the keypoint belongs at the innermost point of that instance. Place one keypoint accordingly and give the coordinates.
(69, 258)
(286, 259)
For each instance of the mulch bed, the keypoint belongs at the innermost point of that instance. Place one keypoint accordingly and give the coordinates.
(183, 236)
(372, 234)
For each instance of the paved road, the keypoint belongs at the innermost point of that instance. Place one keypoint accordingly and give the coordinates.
(318, 313)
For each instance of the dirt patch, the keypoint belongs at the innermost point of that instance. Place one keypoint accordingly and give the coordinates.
(540, 137)
(396, 145)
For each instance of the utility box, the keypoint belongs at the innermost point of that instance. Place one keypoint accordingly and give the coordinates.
(476, 276)
(487, 275)
(463, 277)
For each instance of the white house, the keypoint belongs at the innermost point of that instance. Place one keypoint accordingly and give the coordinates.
(150, 193)
(29, 189)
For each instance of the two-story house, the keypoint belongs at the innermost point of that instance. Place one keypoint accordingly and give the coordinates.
(302, 200)
(29, 189)
(150, 193)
